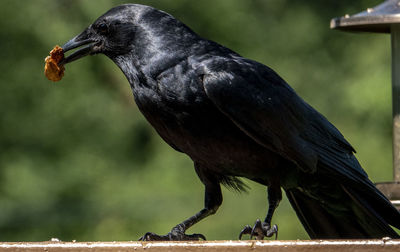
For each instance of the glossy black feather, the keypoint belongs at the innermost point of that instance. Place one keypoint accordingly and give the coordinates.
(235, 117)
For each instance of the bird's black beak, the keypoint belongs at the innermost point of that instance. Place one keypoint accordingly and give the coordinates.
(88, 47)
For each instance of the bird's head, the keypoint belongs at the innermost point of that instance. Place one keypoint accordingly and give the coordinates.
(111, 34)
(127, 30)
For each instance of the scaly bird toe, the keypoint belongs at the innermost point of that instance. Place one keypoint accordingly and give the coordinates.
(259, 230)
(176, 234)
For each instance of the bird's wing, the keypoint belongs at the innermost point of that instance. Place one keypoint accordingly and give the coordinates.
(264, 106)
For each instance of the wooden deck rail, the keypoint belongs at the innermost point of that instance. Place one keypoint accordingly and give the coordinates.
(231, 246)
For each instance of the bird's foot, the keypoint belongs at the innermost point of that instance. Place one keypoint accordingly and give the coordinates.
(260, 230)
(176, 234)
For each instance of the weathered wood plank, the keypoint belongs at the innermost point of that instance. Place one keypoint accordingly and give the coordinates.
(231, 246)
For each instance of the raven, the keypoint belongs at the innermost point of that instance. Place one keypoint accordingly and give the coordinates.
(237, 118)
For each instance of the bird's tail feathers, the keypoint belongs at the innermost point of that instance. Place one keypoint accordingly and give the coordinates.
(361, 216)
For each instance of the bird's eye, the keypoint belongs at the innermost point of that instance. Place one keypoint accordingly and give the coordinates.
(102, 28)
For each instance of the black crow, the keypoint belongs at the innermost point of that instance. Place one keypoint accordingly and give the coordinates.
(236, 118)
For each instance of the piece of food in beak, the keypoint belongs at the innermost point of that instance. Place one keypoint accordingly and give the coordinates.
(52, 69)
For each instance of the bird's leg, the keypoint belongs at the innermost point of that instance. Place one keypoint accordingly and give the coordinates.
(213, 199)
(264, 229)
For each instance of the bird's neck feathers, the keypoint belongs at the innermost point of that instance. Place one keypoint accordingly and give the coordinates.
(160, 42)
(156, 49)
(127, 66)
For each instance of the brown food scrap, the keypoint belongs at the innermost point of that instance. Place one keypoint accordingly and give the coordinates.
(52, 69)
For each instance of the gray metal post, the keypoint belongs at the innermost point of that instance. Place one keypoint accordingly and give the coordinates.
(395, 35)
(383, 18)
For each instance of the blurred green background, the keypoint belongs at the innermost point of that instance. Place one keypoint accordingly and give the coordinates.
(79, 161)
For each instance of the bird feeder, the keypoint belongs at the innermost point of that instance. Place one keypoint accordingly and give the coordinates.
(384, 18)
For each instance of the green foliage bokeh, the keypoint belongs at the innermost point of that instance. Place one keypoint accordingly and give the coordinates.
(78, 160)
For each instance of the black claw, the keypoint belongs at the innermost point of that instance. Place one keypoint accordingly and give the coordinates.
(196, 237)
(272, 231)
(149, 236)
(246, 230)
(174, 235)
(260, 230)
